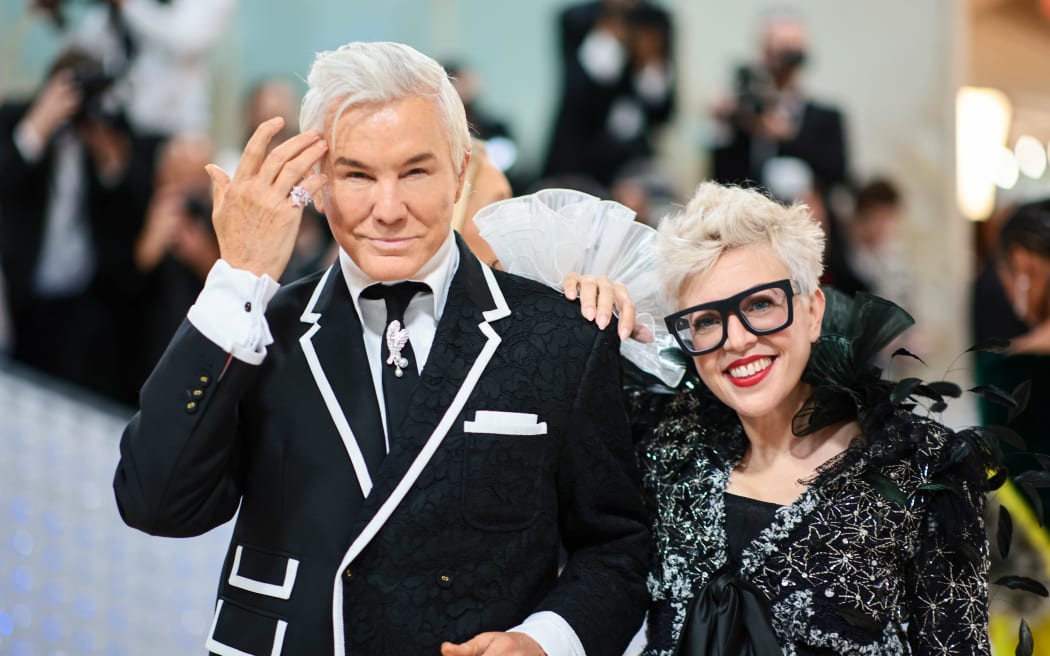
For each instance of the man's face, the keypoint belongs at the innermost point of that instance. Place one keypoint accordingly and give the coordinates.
(391, 186)
(781, 40)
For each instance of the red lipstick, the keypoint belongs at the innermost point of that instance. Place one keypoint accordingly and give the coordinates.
(753, 379)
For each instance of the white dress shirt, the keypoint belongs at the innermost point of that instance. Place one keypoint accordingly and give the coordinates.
(230, 312)
(66, 262)
(421, 316)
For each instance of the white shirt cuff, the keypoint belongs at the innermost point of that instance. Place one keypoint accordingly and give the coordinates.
(29, 144)
(553, 634)
(230, 311)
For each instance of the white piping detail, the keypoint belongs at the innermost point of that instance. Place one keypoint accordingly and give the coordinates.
(278, 638)
(222, 649)
(283, 591)
(309, 316)
(357, 459)
(423, 458)
(502, 309)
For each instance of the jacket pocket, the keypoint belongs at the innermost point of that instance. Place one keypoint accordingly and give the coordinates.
(503, 488)
(263, 572)
(238, 630)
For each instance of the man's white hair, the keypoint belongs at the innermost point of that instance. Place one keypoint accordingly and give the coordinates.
(376, 73)
(721, 218)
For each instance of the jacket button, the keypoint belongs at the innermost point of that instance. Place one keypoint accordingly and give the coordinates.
(445, 580)
(191, 407)
(204, 380)
(197, 393)
(348, 573)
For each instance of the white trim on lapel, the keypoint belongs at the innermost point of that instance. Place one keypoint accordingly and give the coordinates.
(353, 450)
(425, 454)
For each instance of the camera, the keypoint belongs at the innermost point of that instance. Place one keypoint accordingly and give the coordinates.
(755, 91)
(93, 84)
(198, 208)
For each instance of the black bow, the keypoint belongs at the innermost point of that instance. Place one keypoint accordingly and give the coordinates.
(729, 617)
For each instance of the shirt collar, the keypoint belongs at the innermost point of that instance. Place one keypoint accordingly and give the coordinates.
(436, 274)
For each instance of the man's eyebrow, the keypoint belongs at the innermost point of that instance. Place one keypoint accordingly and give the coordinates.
(349, 162)
(357, 164)
(419, 159)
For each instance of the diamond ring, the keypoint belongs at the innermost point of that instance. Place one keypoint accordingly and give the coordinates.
(300, 197)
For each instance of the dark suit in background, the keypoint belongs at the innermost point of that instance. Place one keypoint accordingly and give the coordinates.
(70, 334)
(605, 121)
(820, 142)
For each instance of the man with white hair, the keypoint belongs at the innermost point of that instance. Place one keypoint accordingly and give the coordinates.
(409, 436)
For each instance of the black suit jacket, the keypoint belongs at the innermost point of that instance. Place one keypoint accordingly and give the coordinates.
(460, 531)
(820, 142)
(115, 213)
(71, 336)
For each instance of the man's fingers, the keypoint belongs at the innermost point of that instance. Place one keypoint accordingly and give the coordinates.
(220, 181)
(255, 151)
(476, 646)
(314, 183)
(450, 649)
(294, 170)
(281, 158)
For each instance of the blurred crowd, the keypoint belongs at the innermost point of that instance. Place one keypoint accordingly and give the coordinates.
(105, 234)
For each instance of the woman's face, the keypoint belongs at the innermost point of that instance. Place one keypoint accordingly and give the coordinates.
(755, 375)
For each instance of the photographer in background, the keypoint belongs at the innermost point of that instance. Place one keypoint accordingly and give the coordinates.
(173, 254)
(769, 116)
(158, 50)
(618, 85)
(68, 215)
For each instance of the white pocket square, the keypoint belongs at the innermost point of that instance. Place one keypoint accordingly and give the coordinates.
(505, 423)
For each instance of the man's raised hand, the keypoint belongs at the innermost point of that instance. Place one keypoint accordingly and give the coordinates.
(255, 221)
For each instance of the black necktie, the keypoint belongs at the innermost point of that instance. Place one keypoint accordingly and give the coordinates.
(398, 363)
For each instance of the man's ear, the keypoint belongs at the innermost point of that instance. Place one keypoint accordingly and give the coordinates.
(817, 303)
(462, 176)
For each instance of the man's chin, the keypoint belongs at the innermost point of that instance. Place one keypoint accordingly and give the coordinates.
(389, 268)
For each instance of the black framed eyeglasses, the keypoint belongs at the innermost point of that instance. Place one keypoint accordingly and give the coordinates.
(762, 310)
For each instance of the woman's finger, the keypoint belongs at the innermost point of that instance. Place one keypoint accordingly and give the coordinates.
(571, 285)
(588, 297)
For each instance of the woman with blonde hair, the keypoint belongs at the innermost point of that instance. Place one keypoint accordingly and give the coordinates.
(800, 505)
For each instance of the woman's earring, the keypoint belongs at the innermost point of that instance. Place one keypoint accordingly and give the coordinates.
(1021, 286)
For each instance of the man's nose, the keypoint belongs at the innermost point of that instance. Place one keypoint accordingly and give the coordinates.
(738, 338)
(388, 203)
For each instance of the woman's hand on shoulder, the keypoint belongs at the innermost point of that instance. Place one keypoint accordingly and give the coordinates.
(599, 298)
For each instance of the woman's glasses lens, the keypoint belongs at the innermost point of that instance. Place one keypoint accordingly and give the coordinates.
(763, 311)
